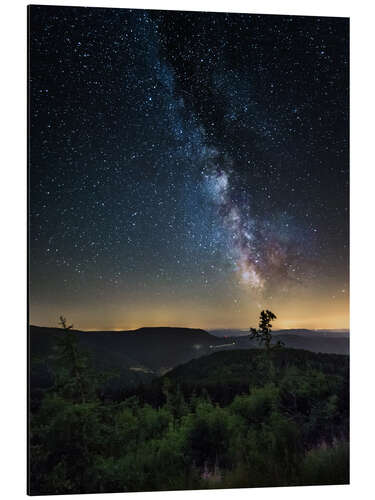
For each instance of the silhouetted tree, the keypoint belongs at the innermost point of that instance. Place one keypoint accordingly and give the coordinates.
(263, 335)
(73, 363)
(62, 322)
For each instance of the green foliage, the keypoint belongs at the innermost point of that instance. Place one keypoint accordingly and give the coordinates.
(254, 409)
(231, 419)
(208, 433)
(70, 436)
(326, 465)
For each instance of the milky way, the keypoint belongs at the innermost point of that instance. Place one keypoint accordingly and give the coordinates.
(187, 167)
(259, 256)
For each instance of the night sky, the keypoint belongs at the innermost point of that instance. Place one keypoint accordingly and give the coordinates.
(187, 169)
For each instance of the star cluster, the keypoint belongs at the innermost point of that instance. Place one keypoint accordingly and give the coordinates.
(187, 168)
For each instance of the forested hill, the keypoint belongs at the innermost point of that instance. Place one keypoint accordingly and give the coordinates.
(146, 350)
(225, 374)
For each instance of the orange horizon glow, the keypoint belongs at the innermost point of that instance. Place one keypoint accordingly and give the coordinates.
(327, 319)
(319, 307)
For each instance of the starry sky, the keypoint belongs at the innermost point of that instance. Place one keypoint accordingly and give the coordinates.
(187, 169)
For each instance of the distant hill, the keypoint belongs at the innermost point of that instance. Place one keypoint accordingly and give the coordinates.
(135, 355)
(157, 348)
(327, 341)
(139, 356)
(238, 332)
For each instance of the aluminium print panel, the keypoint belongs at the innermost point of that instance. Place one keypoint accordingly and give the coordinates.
(188, 250)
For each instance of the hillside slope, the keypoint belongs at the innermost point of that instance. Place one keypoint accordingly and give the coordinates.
(136, 356)
(224, 374)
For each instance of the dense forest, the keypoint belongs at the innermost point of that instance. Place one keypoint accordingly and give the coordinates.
(245, 418)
